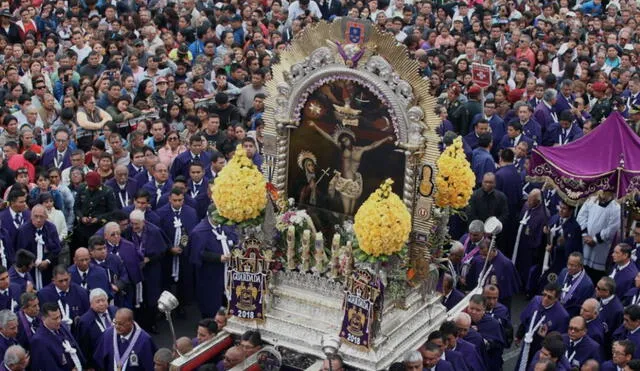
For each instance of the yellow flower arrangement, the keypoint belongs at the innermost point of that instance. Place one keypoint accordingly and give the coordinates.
(239, 191)
(455, 180)
(382, 224)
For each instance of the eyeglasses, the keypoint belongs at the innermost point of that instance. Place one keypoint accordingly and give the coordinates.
(173, 138)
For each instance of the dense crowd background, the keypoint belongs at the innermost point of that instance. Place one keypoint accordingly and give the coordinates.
(116, 116)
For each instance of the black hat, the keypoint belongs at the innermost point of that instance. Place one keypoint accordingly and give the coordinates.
(6, 13)
(183, 50)
(138, 42)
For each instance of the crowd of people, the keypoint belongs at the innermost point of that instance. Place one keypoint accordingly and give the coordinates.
(117, 115)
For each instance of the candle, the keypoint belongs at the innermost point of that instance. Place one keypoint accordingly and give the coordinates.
(306, 242)
(335, 247)
(291, 248)
(319, 253)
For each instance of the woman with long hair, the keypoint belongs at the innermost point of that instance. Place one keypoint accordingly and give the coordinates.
(171, 149)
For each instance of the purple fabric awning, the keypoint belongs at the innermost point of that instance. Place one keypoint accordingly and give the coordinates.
(606, 159)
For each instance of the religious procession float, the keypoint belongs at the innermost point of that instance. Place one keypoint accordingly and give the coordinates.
(343, 227)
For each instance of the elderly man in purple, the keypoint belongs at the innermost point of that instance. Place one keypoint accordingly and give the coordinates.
(132, 260)
(28, 318)
(86, 274)
(8, 329)
(531, 128)
(576, 284)
(450, 295)
(610, 305)
(94, 323)
(624, 270)
(469, 334)
(565, 98)
(178, 220)
(432, 358)
(72, 300)
(209, 248)
(40, 237)
(151, 242)
(545, 308)
(54, 348)
(528, 250)
(595, 328)
(124, 188)
(544, 113)
(125, 345)
(622, 354)
(490, 329)
(580, 347)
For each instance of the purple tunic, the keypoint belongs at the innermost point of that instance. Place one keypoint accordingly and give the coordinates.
(531, 246)
(90, 331)
(493, 334)
(26, 329)
(198, 195)
(503, 274)
(611, 314)
(76, 298)
(144, 349)
(152, 244)
(584, 350)
(20, 279)
(152, 188)
(205, 253)
(624, 278)
(454, 298)
(13, 293)
(47, 351)
(51, 249)
(572, 300)
(124, 197)
(96, 278)
(595, 330)
(472, 357)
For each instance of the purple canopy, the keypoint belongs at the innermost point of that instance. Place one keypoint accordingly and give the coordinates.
(606, 159)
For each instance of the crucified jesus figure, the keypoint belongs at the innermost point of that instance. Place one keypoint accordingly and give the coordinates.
(348, 181)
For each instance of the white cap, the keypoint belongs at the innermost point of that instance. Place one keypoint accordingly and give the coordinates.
(571, 14)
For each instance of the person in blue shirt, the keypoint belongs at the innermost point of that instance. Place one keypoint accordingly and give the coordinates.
(592, 7)
(481, 160)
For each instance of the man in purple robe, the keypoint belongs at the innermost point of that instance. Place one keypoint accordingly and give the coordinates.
(509, 181)
(498, 311)
(623, 351)
(595, 328)
(470, 335)
(132, 260)
(623, 271)
(40, 237)
(9, 291)
(12, 218)
(94, 323)
(28, 318)
(71, 299)
(196, 154)
(178, 220)
(54, 348)
(198, 190)
(471, 358)
(125, 344)
(452, 356)
(152, 244)
(87, 275)
(544, 113)
(633, 295)
(490, 329)
(529, 247)
(566, 237)
(450, 295)
(8, 329)
(576, 284)
(630, 328)
(179, 183)
(160, 184)
(565, 97)
(545, 306)
(113, 266)
(610, 306)
(563, 132)
(142, 202)
(123, 187)
(552, 351)
(500, 272)
(531, 127)
(479, 128)
(580, 347)
(432, 358)
(19, 273)
(209, 248)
